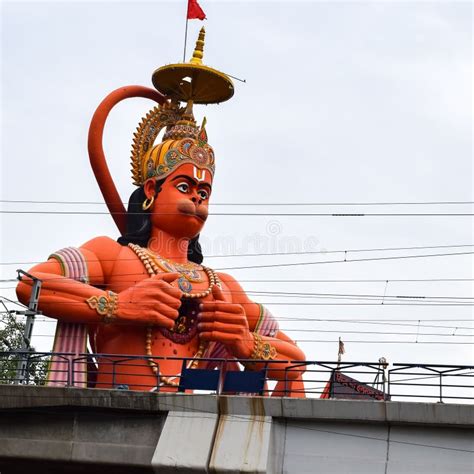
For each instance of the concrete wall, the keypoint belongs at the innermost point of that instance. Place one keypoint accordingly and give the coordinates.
(326, 447)
(48, 429)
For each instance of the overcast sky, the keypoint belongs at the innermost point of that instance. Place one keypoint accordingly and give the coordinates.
(344, 102)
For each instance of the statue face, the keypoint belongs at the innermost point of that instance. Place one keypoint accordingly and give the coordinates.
(181, 207)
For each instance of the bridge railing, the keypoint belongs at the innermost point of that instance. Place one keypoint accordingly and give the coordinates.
(322, 379)
(435, 382)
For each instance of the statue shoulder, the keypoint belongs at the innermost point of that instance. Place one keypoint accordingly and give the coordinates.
(101, 254)
(229, 281)
(102, 246)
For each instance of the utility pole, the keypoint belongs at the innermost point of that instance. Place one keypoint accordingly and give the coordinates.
(30, 313)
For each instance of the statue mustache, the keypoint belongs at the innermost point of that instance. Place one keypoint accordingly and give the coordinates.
(198, 210)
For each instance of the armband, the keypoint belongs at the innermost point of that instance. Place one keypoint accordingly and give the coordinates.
(105, 305)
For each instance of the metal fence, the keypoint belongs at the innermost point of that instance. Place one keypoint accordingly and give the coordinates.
(353, 380)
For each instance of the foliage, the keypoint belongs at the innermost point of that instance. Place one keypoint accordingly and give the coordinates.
(11, 339)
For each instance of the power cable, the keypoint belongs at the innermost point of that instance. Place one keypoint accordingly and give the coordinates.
(285, 329)
(292, 264)
(271, 254)
(358, 296)
(293, 303)
(255, 214)
(333, 341)
(338, 331)
(293, 280)
(274, 265)
(356, 203)
(13, 301)
(337, 295)
(390, 280)
(385, 322)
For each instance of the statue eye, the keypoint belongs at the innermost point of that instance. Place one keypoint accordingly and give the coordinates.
(203, 194)
(183, 187)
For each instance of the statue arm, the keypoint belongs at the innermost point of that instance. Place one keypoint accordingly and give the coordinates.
(65, 298)
(149, 301)
(234, 324)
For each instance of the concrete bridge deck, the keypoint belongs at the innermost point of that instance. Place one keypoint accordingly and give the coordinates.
(50, 429)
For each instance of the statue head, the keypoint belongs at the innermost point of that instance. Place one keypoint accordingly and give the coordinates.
(174, 178)
(181, 207)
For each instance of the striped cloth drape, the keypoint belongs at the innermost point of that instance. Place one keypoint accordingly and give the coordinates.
(69, 337)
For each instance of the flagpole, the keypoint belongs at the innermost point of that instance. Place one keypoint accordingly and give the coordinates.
(186, 33)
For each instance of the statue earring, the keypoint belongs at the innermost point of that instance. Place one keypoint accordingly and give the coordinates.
(147, 203)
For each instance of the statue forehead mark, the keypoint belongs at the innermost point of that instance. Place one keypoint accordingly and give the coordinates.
(199, 174)
(194, 173)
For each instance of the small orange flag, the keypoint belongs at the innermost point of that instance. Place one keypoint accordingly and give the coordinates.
(195, 12)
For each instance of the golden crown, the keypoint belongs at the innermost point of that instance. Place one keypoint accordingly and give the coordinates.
(183, 141)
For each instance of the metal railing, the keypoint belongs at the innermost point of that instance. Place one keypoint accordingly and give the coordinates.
(326, 379)
(430, 381)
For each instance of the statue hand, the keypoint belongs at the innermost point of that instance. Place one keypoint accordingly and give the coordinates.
(226, 323)
(151, 301)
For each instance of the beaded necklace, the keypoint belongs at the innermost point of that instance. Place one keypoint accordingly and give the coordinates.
(153, 269)
(189, 272)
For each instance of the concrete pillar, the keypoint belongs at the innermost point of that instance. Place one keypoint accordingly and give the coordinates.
(185, 443)
(241, 444)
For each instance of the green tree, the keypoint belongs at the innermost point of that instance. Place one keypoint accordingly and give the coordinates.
(11, 339)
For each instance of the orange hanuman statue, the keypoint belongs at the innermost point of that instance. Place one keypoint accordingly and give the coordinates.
(148, 293)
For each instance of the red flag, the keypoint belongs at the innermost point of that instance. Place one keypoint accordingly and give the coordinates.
(195, 11)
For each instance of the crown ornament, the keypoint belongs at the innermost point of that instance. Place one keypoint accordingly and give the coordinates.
(194, 81)
(183, 141)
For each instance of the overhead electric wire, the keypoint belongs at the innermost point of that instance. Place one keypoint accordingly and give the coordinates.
(334, 341)
(379, 321)
(292, 264)
(293, 280)
(378, 299)
(342, 331)
(313, 252)
(337, 331)
(335, 296)
(385, 322)
(293, 303)
(376, 203)
(356, 296)
(364, 304)
(379, 318)
(390, 280)
(293, 329)
(306, 252)
(392, 333)
(13, 301)
(348, 295)
(390, 322)
(257, 214)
